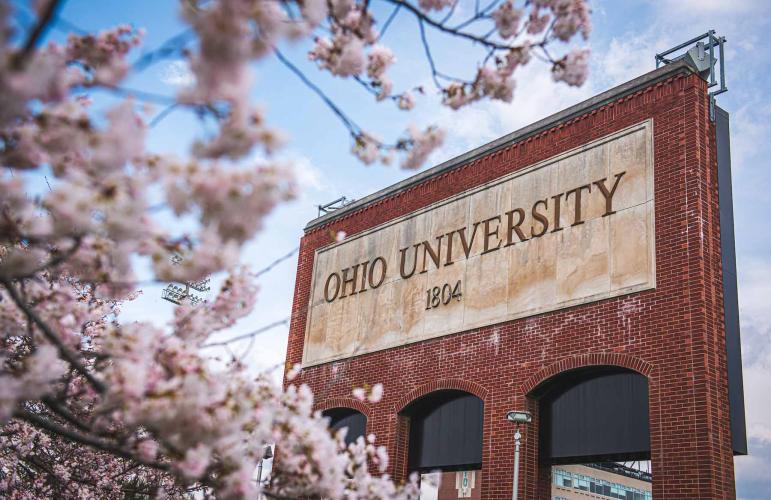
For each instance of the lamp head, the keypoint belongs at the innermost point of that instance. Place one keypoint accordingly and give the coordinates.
(519, 417)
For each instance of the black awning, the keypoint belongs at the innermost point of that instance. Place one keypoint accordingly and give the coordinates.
(445, 431)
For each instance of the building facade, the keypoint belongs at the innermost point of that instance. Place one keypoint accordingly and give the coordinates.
(577, 269)
(599, 481)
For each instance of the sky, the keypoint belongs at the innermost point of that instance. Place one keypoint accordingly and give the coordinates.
(626, 36)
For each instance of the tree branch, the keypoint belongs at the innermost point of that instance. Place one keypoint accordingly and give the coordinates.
(441, 27)
(275, 263)
(167, 49)
(141, 95)
(161, 115)
(77, 437)
(64, 351)
(388, 22)
(247, 335)
(64, 413)
(54, 261)
(44, 22)
(352, 127)
(430, 58)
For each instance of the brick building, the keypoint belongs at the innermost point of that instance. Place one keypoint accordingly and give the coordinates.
(489, 284)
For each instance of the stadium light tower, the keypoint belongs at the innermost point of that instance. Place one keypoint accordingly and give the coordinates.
(178, 293)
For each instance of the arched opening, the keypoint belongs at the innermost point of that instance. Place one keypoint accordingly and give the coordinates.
(355, 421)
(445, 443)
(594, 433)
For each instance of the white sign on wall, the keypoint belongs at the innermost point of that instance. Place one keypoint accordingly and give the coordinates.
(570, 230)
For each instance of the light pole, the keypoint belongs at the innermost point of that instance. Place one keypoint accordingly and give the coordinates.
(268, 453)
(518, 417)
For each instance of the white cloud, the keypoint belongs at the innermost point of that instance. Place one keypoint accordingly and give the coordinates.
(749, 132)
(755, 290)
(307, 174)
(177, 74)
(535, 97)
(673, 8)
(629, 56)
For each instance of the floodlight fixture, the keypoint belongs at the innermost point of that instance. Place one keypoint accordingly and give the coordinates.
(179, 293)
(519, 417)
(706, 57)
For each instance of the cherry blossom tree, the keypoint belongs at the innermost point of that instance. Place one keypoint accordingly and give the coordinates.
(93, 407)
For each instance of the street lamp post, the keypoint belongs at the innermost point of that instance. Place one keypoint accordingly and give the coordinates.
(517, 417)
(268, 453)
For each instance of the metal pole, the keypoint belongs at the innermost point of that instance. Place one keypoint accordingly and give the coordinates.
(517, 437)
(259, 472)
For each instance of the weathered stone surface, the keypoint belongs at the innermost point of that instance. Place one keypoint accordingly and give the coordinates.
(593, 251)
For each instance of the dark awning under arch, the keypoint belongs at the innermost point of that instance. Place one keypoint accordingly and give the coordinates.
(354, 420)
(445, 431)
(597, 414)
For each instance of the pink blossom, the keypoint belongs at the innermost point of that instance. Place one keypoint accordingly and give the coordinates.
(496, 84)
(45, 77)
(456, 96)
(121, 141)
(341, 56)
(507, 19)
(537, 22)
(314, 11)
(235, 299)
(428, 5)
(147, 450)
(104, 54)
(224, 195)
(406, 101)
(366, 148)
(196, 461)
(570, 17)
(384, 86)
(238, 135)
(359, 393)
(43, 368)
(378, 61)
(573, 68)
(158, 392)
(376, 393)
(340, 236)
(341, 8)
(422, 144)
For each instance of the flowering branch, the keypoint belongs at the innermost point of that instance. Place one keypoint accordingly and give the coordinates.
(58, 257)
(64, 351)
(91, 405)
(87, 440)
(423, 18)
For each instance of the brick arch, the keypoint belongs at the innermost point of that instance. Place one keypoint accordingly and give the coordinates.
(344, 402)
(585, 360)
(438, 385)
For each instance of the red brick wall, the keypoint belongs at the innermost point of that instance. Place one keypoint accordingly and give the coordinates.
(674, 334)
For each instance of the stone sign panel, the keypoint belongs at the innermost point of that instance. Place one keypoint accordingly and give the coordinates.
(572, 229)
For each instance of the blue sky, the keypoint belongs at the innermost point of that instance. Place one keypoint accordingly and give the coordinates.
(626, 36)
